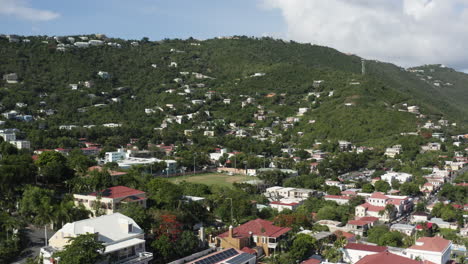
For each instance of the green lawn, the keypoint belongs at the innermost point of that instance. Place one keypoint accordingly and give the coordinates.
(212, 179)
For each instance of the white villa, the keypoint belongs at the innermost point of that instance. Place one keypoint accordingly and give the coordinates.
(122, 237)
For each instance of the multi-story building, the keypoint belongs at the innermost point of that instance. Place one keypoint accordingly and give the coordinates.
(110, 199)
(123, 239)
(433, 249)
(376, 206)
(277, 192)
(255, 233)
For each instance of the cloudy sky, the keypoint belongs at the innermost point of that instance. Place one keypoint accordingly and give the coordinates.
(405, 32)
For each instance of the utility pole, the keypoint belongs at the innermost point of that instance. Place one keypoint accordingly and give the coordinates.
(231, 209)
(194, 164)
(363, 66)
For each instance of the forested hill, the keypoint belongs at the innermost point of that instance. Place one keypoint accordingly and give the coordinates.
(266, 80)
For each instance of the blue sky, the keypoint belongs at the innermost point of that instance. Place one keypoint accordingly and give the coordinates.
(404, 32)
(156, 19)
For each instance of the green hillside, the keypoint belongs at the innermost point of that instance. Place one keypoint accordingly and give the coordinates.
(351, 106)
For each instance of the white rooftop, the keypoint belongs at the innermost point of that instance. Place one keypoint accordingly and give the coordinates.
(111, 228)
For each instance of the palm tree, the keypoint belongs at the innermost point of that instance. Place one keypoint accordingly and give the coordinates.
(9, 223)
(44, 217)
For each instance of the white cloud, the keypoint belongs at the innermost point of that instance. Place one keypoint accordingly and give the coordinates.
(406, 32)
(21, 9)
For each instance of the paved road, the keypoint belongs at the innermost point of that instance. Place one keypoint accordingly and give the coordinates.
(36, 241)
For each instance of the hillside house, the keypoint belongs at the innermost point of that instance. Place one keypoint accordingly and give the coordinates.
(255, 233)
(110, 199)
(403, 228)
(353, 252)
(11, 78)
(401, 177)
(339, 199)
(393, 151)
(434, 249)
(122, 237)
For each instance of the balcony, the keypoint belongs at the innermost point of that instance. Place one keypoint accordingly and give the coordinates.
(140, 258)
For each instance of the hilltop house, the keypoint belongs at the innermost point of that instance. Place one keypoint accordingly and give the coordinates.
(255, 233)
(111, 198)
(123, 239)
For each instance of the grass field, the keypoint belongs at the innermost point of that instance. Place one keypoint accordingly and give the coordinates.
(212, 179)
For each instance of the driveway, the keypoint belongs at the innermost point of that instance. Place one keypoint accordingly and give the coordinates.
(36, 241)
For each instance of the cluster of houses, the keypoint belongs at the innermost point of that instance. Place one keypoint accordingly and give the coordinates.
(9, 135)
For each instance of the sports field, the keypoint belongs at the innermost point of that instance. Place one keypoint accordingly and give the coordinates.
(212, 178)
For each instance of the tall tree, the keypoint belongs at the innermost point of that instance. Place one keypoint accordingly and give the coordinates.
(83, 249)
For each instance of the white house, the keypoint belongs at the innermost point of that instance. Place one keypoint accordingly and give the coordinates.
(402, 228)
(401, 177)
(434, 249)
(353, 252)
(122, 237)
(339, 199)
(393, 151)
(282, 204)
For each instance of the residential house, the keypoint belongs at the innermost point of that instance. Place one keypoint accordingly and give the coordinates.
(255, 233)
(358, 227)
(413, 109)
(393, 151)
(344, 145)
(401, 177)
(10, 78)
(110, 199)
(419, 217)
(402, 228)
(376, 206)
(21, 144)
(282, 204)
(277, 192)
(353, 252)
(387, 257)
(339, 199)
(103, 74)
(433, 249)
(335, 183)
(122, 237)
(431, 147)
(443, 224)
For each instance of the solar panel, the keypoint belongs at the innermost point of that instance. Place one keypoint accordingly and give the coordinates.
(218, 257)
(242, 258)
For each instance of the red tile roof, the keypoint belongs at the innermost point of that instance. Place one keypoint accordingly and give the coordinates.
(363, 247)
(357, 222)
(347, 235)
(378, 195)
(256, 227)
(372, 208)
(387, 258)
(420, 227)
(117, 192)
(288, 204)
(311, 261)
(437, 244)
(369, 219)
(249, 250)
